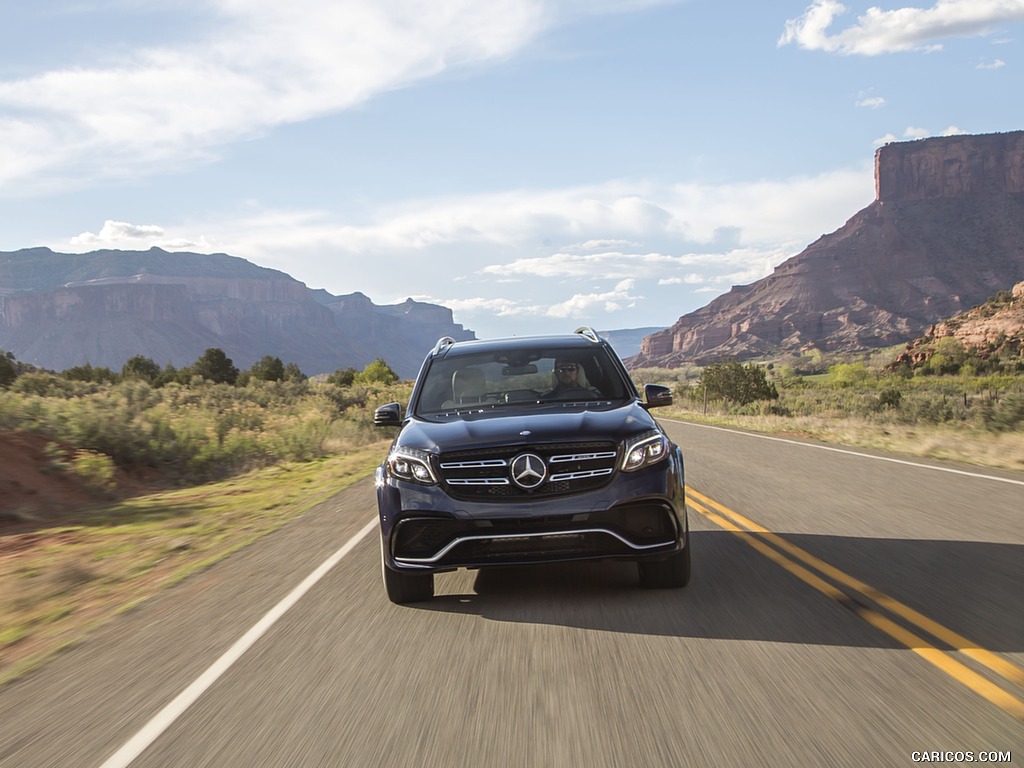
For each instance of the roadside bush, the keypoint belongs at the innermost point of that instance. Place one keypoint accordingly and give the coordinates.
(343, 377)
(1004, 415)
(197, 432)
(889, 397)
(267, 368)
(8, 371)
(140, 367)
(377, 372)
(95, 469)
(845, 375)
(737, 383)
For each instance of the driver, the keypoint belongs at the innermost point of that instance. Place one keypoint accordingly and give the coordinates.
(568, 387)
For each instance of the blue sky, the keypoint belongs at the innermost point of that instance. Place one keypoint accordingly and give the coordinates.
(533, 164)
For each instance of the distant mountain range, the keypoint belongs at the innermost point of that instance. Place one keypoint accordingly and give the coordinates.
(626, 342)
(59, 310)
(945, 232)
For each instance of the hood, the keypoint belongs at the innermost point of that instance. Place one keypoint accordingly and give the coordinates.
(493, 427)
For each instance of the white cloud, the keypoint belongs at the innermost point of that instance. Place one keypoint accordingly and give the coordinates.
(609, 244)
(871, 102)
(257, 65)
(611, 265)
(996, 64)
(118, 231)
(689, 279)
(904, 29)
(588, 304)
(580, 305)
(601, 245)
(122, 235)
(913, 132)
(629, 228)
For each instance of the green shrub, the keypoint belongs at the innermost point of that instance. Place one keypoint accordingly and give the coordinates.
(96, 470)
(737, 383)
(1005, 414)
(377, 372)
(8, 370)
(844, 375)
(889, 397)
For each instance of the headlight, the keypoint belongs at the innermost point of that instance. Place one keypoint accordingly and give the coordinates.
(643, 451)
(411, 464)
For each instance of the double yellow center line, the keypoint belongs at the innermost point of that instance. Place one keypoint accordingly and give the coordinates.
(857, 596)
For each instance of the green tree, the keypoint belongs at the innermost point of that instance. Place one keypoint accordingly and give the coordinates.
(343, 377)
(213, 365)
(845, 375)
(377, 372)
(8, 370)
(170, 374)
(740, 384)
(140, 367)
(267, 368)
(292, 372)
(88, 372)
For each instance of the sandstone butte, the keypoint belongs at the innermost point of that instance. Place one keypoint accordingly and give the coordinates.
(944, 233)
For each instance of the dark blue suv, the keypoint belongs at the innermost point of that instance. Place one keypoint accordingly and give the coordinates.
(528, 450)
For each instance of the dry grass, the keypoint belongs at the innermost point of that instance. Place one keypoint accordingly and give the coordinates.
(57, 583)
(1004, 450)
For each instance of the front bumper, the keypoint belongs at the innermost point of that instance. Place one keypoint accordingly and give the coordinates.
(637, 515)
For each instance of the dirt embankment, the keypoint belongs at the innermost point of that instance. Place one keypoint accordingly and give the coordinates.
(32, 486)
(37, 486)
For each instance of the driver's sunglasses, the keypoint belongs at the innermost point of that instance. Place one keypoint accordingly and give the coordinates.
(571, 368)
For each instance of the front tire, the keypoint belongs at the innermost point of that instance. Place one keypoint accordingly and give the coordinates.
(406, 587)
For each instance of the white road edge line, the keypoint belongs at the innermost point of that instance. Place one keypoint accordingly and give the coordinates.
(977, 475)
(163, 719)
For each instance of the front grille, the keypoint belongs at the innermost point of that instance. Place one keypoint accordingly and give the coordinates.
(486, 475)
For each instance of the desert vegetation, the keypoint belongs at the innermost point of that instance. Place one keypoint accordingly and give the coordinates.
(203, 422)
(993, 402)
(925, 410)
(180, 467)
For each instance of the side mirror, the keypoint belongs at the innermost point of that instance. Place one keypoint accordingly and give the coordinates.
(656, 395)
(389, 415)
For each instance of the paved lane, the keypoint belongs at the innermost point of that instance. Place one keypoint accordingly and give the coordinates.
(572, 664)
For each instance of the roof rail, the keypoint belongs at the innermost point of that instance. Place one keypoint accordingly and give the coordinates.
(590, 333)
(442, 344)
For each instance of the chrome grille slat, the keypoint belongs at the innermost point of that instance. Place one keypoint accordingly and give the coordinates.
(484, 475)
(581, 457)
(474, 464)
(580, 475)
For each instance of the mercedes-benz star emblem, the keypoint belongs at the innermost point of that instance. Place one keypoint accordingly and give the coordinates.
(528, 470)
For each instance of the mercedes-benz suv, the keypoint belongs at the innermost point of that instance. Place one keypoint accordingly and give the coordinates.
(528, 450)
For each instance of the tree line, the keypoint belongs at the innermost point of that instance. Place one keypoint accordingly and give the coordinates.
(213, 366)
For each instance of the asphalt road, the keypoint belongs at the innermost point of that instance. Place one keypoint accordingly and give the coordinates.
(845, 610)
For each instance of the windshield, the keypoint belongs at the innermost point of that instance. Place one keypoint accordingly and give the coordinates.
(521, 376)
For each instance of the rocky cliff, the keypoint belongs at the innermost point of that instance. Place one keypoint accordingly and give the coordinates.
(60, 310)
(945, 233)
(993, 328)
